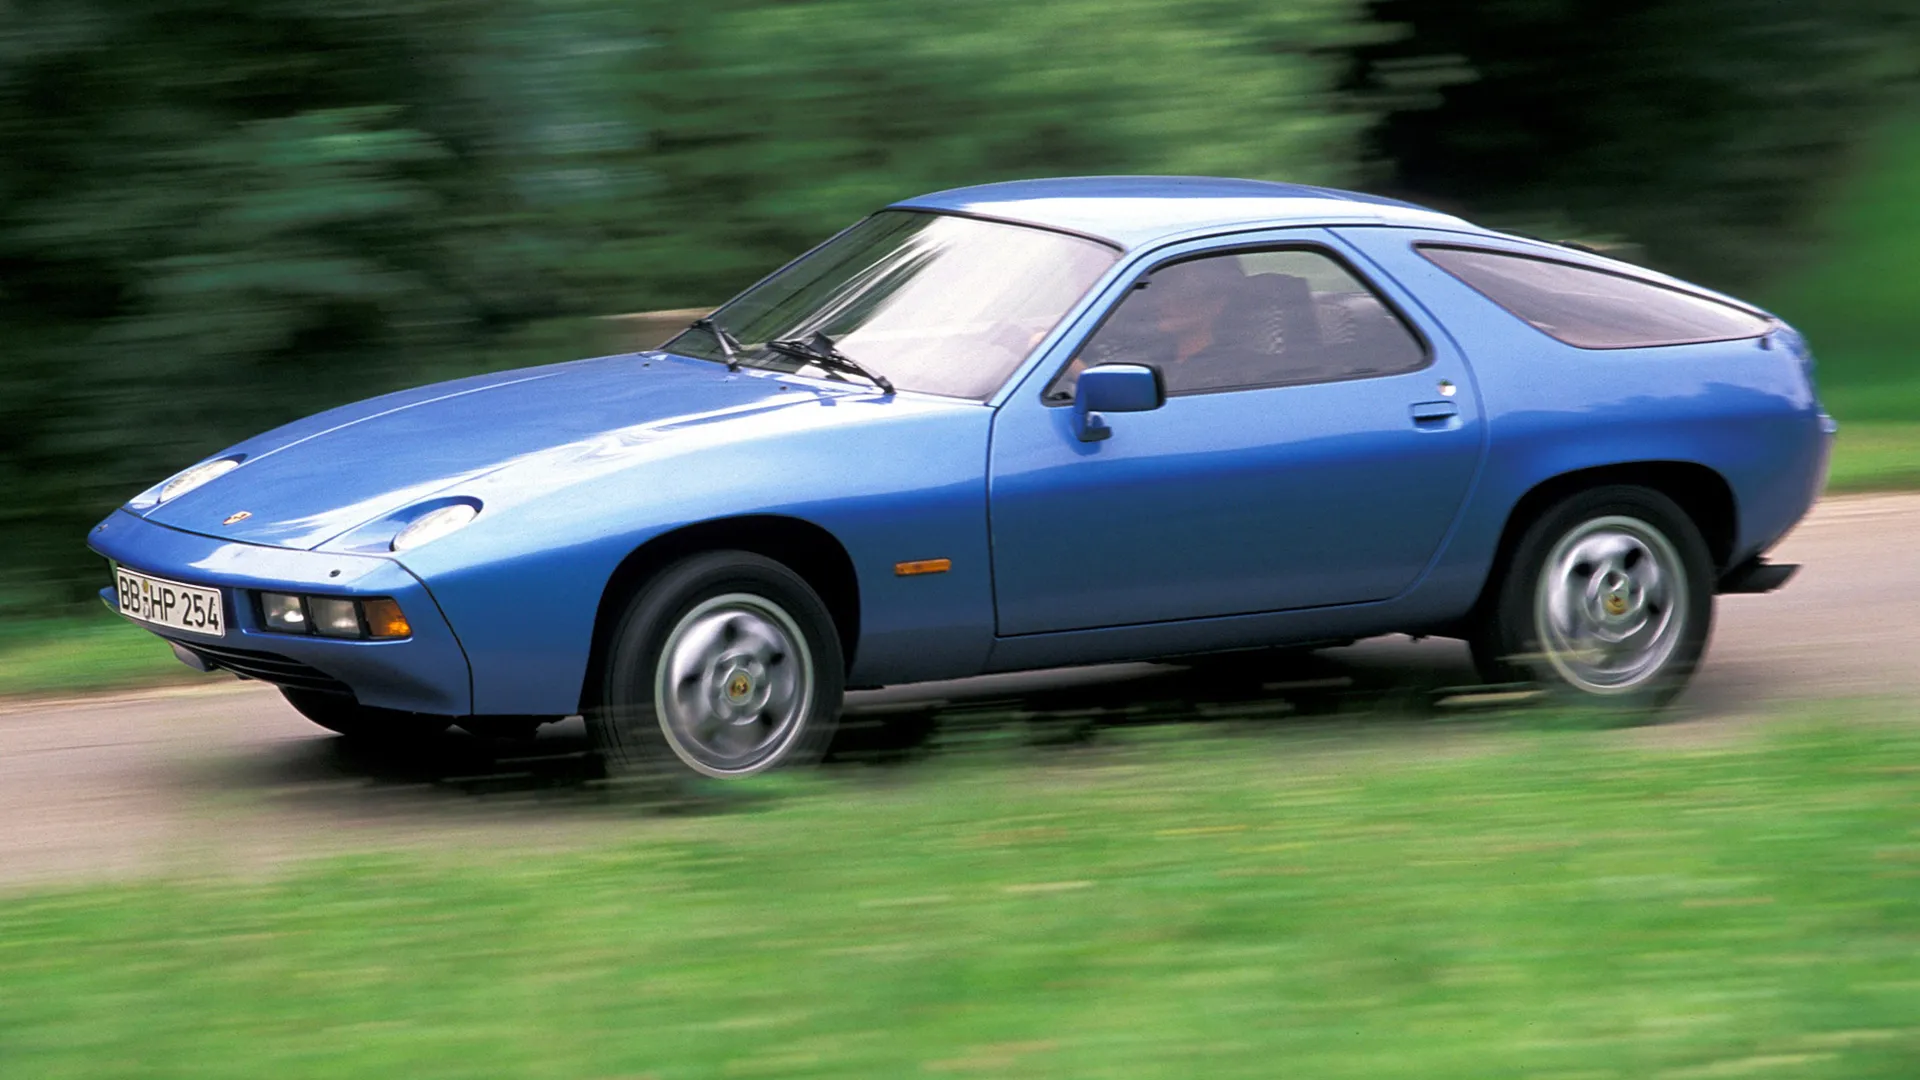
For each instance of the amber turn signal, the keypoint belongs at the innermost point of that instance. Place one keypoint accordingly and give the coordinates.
(384, 618)
(922, 566)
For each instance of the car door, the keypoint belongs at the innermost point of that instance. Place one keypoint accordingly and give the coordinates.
(1314, 450)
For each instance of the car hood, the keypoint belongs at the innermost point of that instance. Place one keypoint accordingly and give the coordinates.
(311, 481)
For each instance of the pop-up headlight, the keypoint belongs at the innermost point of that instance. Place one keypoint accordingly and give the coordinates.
(196, 476)
(435, 524)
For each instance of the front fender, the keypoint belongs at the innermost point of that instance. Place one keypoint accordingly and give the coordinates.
(892, 478)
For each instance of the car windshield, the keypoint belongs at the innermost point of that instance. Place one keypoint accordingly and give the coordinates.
(934, 303)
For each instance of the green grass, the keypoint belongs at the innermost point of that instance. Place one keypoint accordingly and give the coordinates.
(1172, 902)
(1875, 456)
(91, 651)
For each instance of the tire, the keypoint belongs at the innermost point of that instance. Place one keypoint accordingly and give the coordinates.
(363, 723)
(1607, 600)
(726, 664)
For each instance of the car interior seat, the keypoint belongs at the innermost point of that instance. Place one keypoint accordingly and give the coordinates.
(1274, 320)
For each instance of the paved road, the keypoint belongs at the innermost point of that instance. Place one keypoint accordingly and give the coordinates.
(226, 777)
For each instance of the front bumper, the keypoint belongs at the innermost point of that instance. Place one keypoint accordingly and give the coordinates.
(426, 672)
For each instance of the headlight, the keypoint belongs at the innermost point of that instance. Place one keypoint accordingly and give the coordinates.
(285, 613)
(333, 616)
(196, 476)
(435, 524)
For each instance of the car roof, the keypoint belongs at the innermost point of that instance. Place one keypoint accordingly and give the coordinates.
(1139, 211)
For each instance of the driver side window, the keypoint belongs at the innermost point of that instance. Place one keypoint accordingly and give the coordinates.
(1247, 319)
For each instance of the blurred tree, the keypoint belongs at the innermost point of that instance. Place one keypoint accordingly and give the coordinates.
(764, 125)
(1705, 131)
(216, 215)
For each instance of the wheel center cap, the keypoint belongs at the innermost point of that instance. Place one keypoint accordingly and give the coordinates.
(1616, 603)
(739, 687)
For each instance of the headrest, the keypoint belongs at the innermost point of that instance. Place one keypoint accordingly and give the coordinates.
(1274, 313)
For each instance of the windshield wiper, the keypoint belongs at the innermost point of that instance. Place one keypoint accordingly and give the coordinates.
(819, 348)
(730, 346)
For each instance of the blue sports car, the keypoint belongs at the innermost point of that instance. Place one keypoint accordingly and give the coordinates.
(1009, 427)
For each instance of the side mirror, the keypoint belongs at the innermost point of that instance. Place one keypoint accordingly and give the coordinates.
(1106, 388)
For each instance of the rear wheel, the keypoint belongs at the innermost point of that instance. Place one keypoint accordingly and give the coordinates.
(727, 663)
(363, 723)
(1608, 599)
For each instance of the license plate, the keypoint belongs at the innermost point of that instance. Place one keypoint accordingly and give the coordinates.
(170, 604)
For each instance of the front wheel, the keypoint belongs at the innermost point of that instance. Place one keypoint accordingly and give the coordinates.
(728, 663)
(1608, 599)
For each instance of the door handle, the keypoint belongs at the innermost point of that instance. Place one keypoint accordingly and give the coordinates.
(1434, 412)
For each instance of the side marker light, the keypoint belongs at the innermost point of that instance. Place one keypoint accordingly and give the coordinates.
(922, 566)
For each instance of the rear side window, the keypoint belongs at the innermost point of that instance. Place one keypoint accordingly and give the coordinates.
(1595, 309)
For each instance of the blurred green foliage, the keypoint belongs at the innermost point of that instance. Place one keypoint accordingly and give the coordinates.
(1858, 299)
(1705, 132)
(218, 215)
